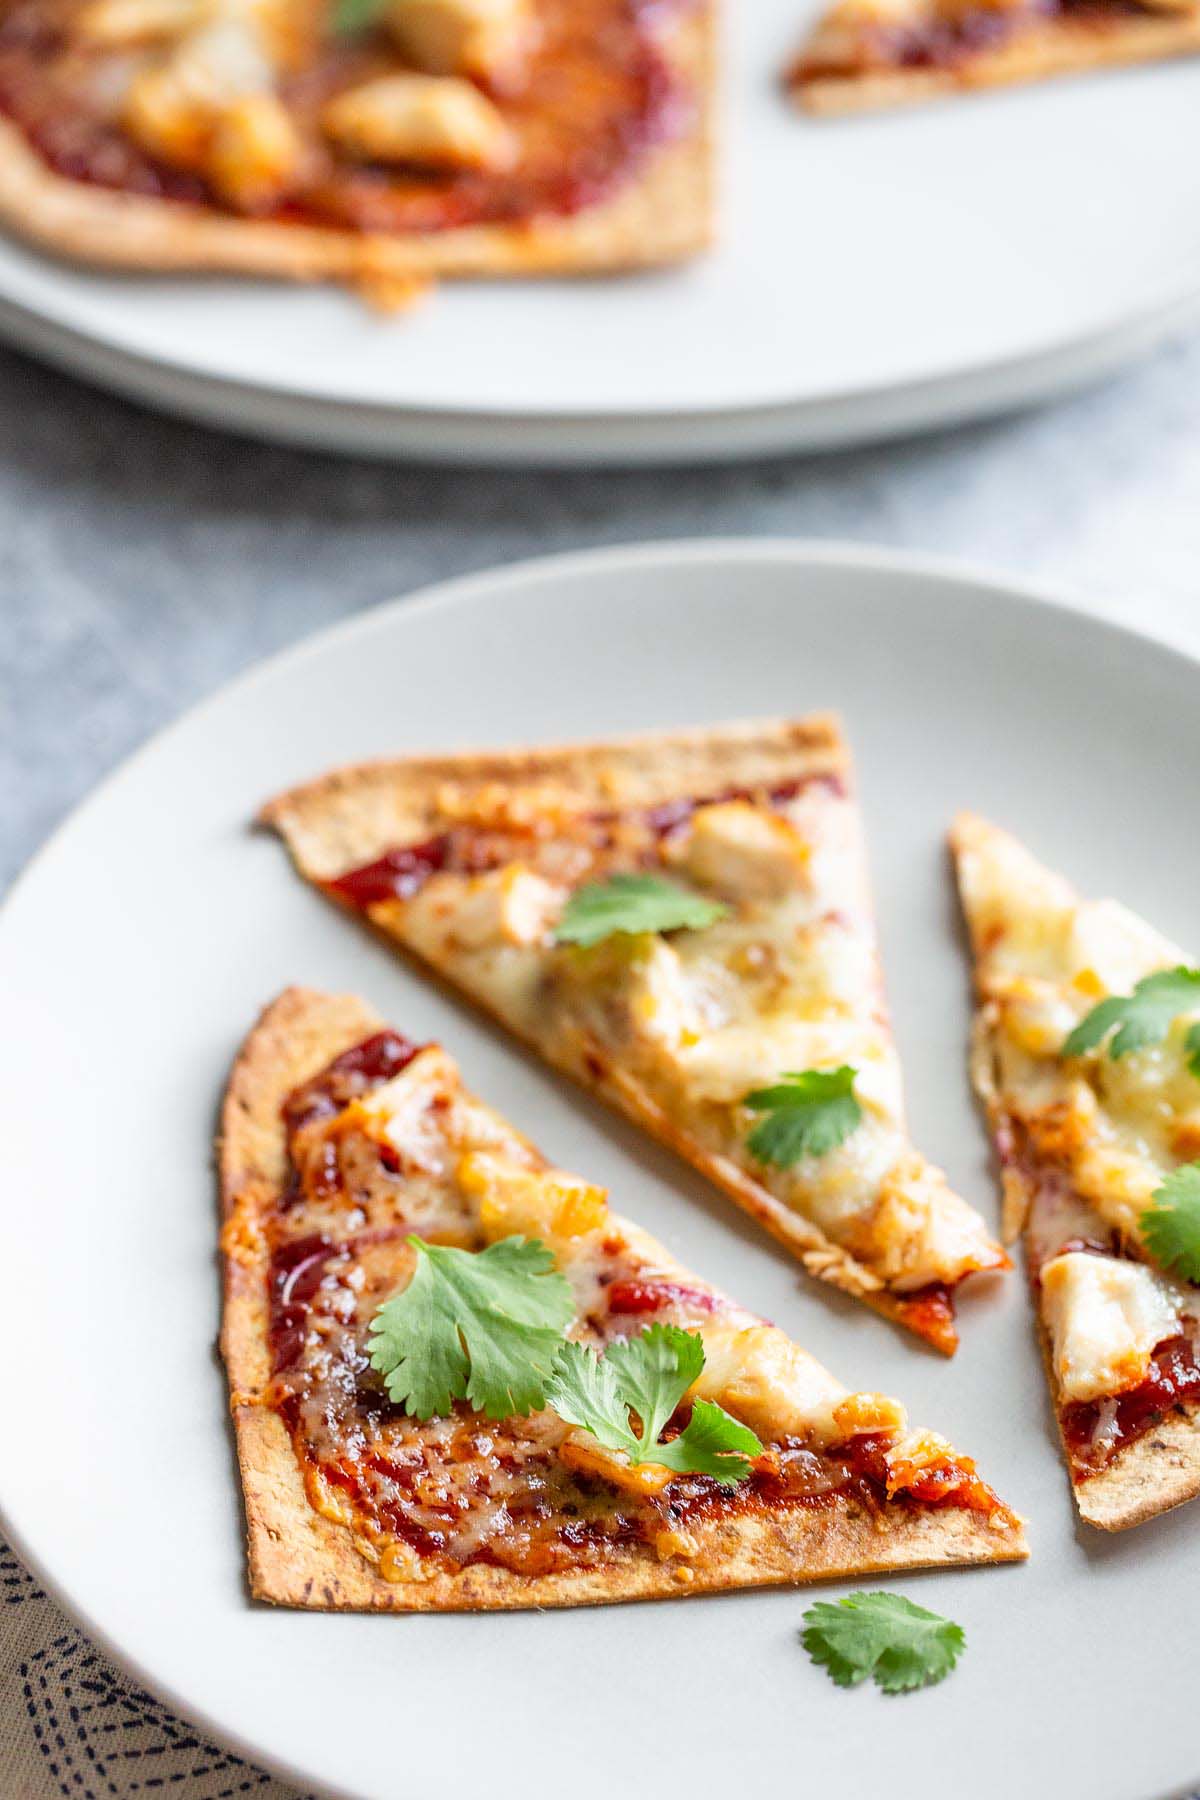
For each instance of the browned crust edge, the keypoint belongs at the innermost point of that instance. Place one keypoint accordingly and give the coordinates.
(355, 812)
(663, 215)
(1055, 48)
(298, 1558)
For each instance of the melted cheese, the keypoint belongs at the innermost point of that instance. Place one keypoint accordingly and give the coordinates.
(506, 906)
(1105, 1315)
(208, 105)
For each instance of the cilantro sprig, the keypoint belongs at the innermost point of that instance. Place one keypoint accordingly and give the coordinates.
(807, 1114)
(885, 1636)
(488, 1327)
(1142, 1018)
(482, 1326)
(633, 903)
(352, 16)
(649, 1375)
(1171, 1223)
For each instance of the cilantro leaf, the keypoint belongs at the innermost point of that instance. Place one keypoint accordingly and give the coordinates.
(883, 1635)
(1171, 1224)
(631, 903)
(807, 1115)
(1143, 1017)
(353, 16)
(483, 1327)
(651, 1374)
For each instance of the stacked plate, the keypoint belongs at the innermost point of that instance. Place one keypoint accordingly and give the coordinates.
(874, 276)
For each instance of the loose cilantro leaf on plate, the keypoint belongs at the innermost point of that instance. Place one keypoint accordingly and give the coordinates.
(631, 903)
(1171, 1223)
(484, 1327)
(1143, 1017)
(807, 1115)
(883, 1635)
(650, 1375)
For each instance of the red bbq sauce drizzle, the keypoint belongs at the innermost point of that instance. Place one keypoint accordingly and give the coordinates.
(635, 1297)
(402, 871)
(357, 1071)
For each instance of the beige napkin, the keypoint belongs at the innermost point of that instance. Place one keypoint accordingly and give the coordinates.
(72, 1725)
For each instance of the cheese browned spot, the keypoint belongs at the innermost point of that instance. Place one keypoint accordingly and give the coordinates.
(436, 122)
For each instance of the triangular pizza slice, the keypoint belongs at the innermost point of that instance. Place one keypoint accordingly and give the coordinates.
(682, 924)
(1087, 1058)
(869, 54)
(460, 1381)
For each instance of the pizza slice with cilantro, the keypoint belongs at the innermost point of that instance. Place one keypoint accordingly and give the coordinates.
(460, 1381)
(865, 55)
(1087, 1059)
(681, 923)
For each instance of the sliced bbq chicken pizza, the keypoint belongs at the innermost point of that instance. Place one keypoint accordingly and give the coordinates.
(866, 54)
(380, 141)
(682, 924)
(460, 1381)
(1087, 1058)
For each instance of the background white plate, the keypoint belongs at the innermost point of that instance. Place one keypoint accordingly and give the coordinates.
(875, 274)
(138, 948)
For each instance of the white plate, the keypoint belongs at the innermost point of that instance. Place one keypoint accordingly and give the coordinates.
(875, 275)
(139, 947)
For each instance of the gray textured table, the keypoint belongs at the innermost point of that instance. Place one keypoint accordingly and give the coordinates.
(143, 562)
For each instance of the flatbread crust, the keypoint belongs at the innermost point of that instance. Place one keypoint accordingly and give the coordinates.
(1052, 48)
(298, 1558)
(351, 815)
(662, 215)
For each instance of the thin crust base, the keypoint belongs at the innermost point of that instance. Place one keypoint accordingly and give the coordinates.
(353, 814)
(299, 1558)
(1057, 47)
(663, 215)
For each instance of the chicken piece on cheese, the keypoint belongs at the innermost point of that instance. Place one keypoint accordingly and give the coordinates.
(1105, 1316)
(485, 39)
(743, 852)
(432, 121)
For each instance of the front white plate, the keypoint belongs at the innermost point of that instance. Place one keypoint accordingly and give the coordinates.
(874, 274)
(143, 941)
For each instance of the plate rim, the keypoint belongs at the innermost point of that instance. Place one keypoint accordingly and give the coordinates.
(1030, 597)
(453, 434)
